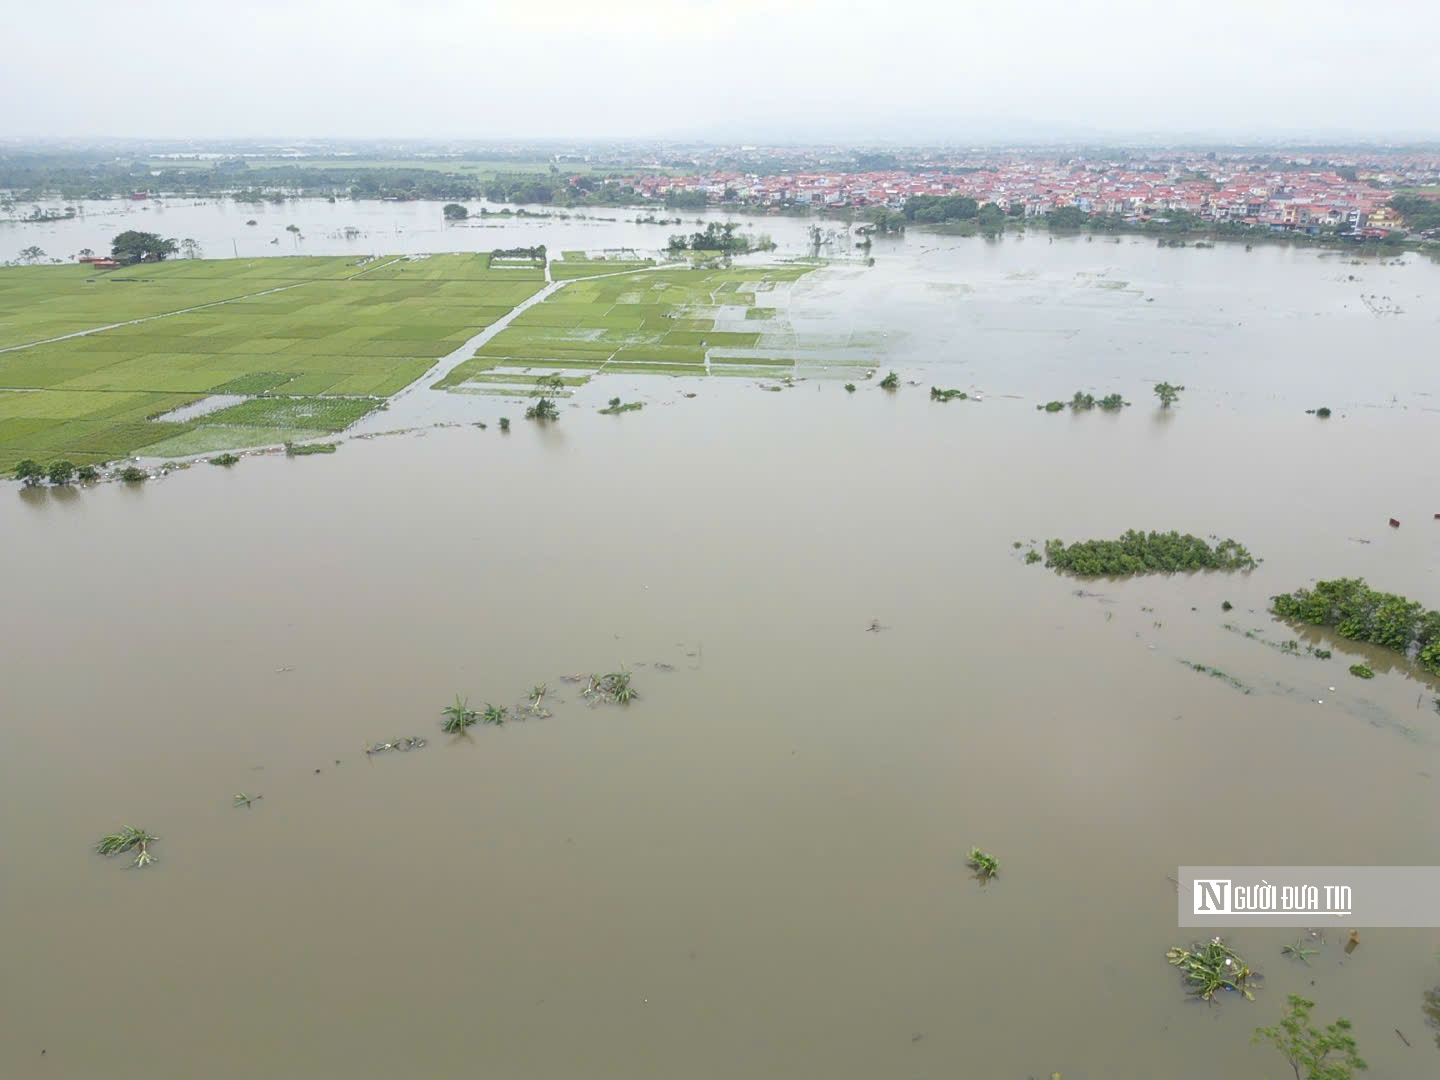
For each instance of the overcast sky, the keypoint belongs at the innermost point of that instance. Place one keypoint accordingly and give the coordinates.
(743, 70)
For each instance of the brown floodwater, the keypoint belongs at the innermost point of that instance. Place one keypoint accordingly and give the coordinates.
(757, 869)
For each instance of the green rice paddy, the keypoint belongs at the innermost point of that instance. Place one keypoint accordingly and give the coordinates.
(329, 337)
(669, 321)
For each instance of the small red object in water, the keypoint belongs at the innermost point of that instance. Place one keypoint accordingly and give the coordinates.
(1394, 524)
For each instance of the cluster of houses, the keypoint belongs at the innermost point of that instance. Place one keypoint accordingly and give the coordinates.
(1297, 199)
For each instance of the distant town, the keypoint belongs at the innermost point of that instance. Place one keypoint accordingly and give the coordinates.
(1358, 193)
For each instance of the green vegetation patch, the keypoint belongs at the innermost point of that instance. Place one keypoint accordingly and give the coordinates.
(323, 414)
(1146, 553)
(296, 326)
(207, 440)
(1360, 613)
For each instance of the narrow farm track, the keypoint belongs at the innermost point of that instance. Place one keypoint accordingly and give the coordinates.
(407, 410)
(151, 318)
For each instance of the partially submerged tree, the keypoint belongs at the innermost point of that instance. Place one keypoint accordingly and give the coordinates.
(455, 212)
(134, 246)
(1313, 1054)
(61, 472)
(544, 407)
(29, 472)
(1167, 394)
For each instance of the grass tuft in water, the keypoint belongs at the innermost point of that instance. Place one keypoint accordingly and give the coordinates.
(457, 717)
(985, 865)
(613, 687)
(496, 715)
(890, 382)
(129, 838)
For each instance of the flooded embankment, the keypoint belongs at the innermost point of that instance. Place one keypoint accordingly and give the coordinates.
(758, 866)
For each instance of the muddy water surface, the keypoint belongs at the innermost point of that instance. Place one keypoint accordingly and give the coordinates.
(757, 869)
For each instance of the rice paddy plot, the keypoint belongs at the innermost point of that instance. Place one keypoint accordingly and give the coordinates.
(357, 330)
(665, 321)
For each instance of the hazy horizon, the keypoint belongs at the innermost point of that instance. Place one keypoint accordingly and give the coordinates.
(912, 71)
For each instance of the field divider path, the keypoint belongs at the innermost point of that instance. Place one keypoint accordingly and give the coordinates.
(454, 359)
(152, 318)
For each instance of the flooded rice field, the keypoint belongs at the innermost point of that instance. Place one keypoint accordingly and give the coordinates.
(758, 867)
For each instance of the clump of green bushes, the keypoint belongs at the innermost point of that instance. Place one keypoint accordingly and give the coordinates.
(936, 394)
(890, 382)
(1146, 553)
(1361, 613)
(617, 406)
(1112, 401)
(1051, 406)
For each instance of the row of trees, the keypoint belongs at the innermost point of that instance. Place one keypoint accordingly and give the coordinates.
(1361, 613)
(716, 236)
(62, 472)
(1146, 553)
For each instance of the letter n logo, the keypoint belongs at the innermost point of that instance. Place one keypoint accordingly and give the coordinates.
(1212, 895)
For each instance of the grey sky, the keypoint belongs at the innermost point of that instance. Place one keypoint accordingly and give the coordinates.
(738, 69)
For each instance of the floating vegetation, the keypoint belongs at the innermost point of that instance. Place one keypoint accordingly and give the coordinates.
(1289, 648)
(404, 744)
(1299, 951)
(614, 687)
(1051, 407)
(985, 865)
(1212, 966)
(936, 394)
(495, 715)
(1361, 613)
(458, 717)
(224, 459)
(1323, 413)
(890, 382)
(1225, 605)
(616, 407)
(1146, 553)
(245, 800)
(535, 704)
(1216, 673)
(1032, 556)
(1360, 671)
(129, 839)
(504, 423)
(305, 449)
(849, 387)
